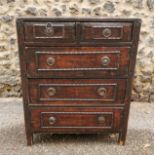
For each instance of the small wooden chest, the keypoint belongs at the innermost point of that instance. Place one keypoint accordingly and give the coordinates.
(77, 74)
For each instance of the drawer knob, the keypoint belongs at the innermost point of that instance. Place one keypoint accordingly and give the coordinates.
(101, 119)
(51, 120)
(105, 60)
(106, 32)
(102, 91)
(51, 91)
(50, 61)
(49, 29)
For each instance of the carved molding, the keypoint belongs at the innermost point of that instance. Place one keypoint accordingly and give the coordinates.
(77, 53)
(117, 53)
(111, 99)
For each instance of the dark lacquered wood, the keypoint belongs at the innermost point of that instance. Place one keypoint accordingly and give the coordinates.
(72, 76)
(77, 92)
(76, 119)
(49, 32)
(84, 62)
(106, 31)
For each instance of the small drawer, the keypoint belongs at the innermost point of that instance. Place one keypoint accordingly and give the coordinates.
(77, 91)
(84, 62)
(106, 31)
(52, 32)
(75, 118)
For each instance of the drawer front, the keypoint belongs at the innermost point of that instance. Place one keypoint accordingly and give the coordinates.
(76, 118)
(81, 62)
(54, 32)
(77, 91)
(106, 31)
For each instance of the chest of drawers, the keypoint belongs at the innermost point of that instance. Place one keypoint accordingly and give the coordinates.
(77, 74)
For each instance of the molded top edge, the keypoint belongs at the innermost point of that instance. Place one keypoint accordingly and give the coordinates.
(78, 19)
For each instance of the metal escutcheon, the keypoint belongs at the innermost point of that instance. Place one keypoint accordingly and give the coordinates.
(50, 61)
(101, 119)
(105, 60)
(51, 91)
(51, 120)
(49, 29)
(102, 91)
(106, 32)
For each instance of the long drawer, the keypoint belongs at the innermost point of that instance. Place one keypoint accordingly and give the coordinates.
(77, 91)
(70, 119)
(82, 62)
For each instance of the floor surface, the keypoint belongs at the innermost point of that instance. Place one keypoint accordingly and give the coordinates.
(13, 142)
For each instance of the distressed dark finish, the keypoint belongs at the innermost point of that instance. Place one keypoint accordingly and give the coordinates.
(49, 31)
(77, 74)
(107, 31)
(76, 118)
(77, 91)
(77, 62)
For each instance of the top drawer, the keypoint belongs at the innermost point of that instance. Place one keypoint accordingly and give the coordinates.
(106, 31)
(55, 32)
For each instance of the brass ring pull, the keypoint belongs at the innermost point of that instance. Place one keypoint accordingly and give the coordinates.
(50, 61)
(51, 91)
(106, 32)
(101, 119)
(51, 120)
(105, 60)
(102, 91)
(49, 29)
